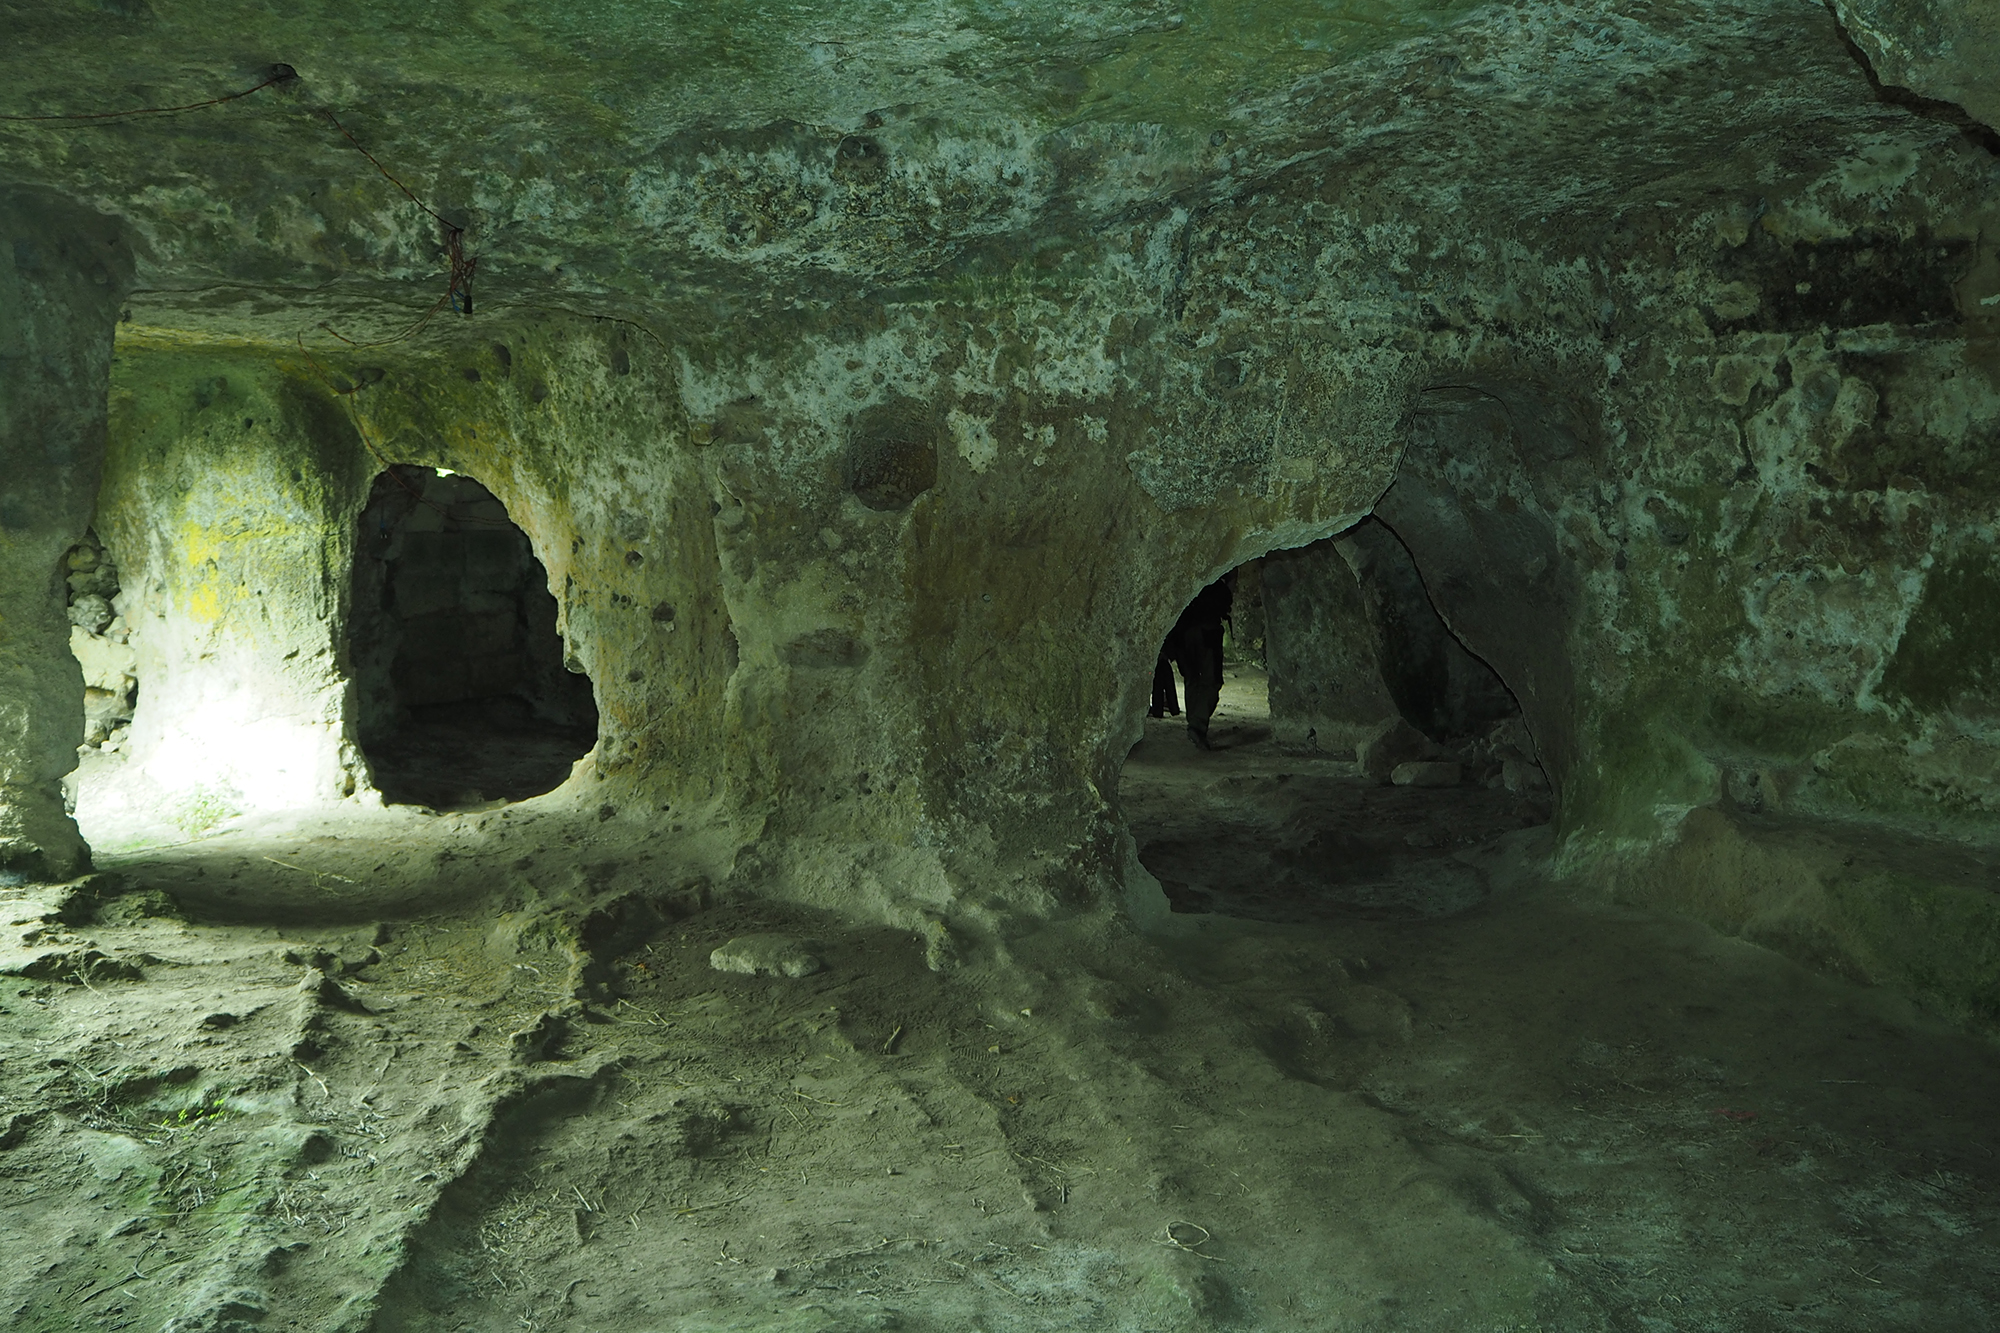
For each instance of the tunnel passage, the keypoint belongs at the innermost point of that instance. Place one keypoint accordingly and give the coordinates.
(462, 695)
(1357, 749)
(1196, 647)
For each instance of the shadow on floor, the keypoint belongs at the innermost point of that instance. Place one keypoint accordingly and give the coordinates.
(1267, 832)
(468, 756)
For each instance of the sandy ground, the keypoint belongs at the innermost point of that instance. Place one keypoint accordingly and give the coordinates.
(435, 1072)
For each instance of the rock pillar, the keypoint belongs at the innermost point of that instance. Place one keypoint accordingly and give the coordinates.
(1326, 684)
(63, 273)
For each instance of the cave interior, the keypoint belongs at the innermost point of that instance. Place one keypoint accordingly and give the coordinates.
(585, 594)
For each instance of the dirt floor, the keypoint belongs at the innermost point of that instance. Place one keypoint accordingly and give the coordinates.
(382, 1072)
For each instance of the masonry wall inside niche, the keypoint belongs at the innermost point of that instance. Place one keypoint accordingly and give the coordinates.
(462, 696)
(100, 637)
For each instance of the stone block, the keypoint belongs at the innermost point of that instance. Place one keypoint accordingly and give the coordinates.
(1390, 742)
(107, 666)
(90, 612)
(766, 955)
(1524, 778)
(1427, 773)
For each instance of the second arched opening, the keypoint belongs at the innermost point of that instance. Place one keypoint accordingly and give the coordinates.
(1351, 752)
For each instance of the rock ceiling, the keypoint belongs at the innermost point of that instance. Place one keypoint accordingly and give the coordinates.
(701, 162)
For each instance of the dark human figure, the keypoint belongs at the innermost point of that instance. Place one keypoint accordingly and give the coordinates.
(1196, 648)
(1166, 703)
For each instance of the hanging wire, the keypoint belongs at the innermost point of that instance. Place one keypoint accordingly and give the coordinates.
(459, 292)
(279, 74)
(460, 268)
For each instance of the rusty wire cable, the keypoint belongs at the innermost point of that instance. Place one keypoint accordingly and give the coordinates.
(458, 292)
(279, 74)
(460, 269)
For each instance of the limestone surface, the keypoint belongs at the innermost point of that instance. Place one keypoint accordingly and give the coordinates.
(1601, 402)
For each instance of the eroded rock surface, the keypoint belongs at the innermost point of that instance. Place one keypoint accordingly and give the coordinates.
(1609, 395)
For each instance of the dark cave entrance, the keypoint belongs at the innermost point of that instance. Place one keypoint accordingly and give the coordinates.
(463, 697)
(1209, 672)
(1358, 753)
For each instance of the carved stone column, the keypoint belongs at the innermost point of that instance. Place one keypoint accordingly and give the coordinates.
(63, 274)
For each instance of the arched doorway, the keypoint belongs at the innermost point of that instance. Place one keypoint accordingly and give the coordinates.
(1358, 751)
(463, 698)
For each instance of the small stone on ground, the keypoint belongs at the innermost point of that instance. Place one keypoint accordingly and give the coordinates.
(1436, 773)
(766, 955)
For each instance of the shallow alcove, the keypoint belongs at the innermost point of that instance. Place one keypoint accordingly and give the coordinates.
(462, 695)
(100, 639)
(1356, 748)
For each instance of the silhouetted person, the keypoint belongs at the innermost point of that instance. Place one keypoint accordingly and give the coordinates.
(1196, 648)
(1166, 703)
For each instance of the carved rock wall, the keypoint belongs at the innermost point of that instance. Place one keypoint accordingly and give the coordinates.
(873, 425)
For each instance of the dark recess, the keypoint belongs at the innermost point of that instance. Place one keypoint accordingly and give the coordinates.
(463, 698)
(892, 454)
